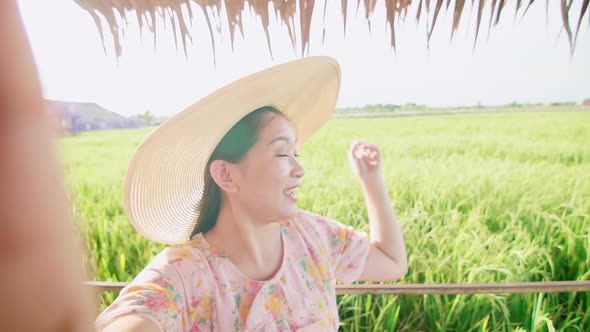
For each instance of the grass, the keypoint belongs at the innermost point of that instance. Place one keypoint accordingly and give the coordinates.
(481, 198)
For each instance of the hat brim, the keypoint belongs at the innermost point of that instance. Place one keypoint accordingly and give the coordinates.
(165, 179)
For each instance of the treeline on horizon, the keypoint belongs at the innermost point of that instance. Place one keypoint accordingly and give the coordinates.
(385, 108)
(151, 119)
(98, 118)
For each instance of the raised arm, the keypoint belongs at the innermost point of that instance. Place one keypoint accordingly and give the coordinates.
(387, 255)
(41, 265)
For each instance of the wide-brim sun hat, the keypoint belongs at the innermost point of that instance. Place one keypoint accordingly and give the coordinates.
(165, 179)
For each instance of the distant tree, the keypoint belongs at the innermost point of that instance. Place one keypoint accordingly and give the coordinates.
(148, 117)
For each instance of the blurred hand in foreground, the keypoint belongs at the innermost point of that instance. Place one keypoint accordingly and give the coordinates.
(41, 273)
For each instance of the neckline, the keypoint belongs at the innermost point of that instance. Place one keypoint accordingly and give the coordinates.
(220, 254)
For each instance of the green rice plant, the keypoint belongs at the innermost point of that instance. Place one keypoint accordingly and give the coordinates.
(480, 198)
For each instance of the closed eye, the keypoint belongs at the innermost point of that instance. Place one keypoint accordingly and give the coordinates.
(286, 155)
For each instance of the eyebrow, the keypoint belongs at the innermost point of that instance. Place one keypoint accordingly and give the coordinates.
(281, 138)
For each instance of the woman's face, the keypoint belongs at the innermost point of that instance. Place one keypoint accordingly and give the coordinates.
(269, 173)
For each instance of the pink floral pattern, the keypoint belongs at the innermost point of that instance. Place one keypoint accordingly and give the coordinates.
(194, 287)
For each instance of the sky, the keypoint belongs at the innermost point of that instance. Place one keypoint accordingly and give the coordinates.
(523, 60)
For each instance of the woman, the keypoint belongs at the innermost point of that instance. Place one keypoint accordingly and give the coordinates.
(218, 182)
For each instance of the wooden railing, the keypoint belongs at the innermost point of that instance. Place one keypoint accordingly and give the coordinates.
(427, 289)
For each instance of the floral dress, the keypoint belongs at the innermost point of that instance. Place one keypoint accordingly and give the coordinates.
(195, 287)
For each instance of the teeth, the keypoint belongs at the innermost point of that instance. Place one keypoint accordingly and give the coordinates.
(290, 193)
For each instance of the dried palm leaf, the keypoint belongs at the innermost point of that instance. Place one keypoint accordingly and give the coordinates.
(147, 11)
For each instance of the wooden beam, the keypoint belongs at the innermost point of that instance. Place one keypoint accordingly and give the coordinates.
(426, 289)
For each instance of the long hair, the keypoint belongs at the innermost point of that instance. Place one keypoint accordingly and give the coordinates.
(232, 148)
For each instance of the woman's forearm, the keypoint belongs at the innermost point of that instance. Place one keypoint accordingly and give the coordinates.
(385, 230)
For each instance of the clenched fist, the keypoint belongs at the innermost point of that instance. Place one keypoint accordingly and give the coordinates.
(365, 161)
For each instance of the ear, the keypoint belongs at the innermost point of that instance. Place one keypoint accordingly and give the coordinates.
(220, 171)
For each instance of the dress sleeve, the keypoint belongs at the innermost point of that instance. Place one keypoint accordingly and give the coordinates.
(347, 248)
(157, 293)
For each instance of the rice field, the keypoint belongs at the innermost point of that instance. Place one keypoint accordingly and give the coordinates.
(481, 198)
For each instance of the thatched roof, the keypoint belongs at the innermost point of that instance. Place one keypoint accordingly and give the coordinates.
(288, 10)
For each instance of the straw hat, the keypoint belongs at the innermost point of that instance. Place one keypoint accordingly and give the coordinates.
(165, 179)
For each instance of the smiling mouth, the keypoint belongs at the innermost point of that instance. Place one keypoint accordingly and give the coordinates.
(290, 193)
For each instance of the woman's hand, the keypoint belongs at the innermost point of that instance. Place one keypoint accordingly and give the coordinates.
(387, 258)
(365, 161)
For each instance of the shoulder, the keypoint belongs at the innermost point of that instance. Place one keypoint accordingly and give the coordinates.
(311, 224)
(174, 268)
(306, 222)
(178, 258)
(308, 218)
(173, 279)
(316, 221)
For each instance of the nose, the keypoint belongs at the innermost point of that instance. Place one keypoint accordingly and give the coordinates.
(297, 170)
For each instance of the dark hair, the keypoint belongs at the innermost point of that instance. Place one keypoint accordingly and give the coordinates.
(232, 148)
